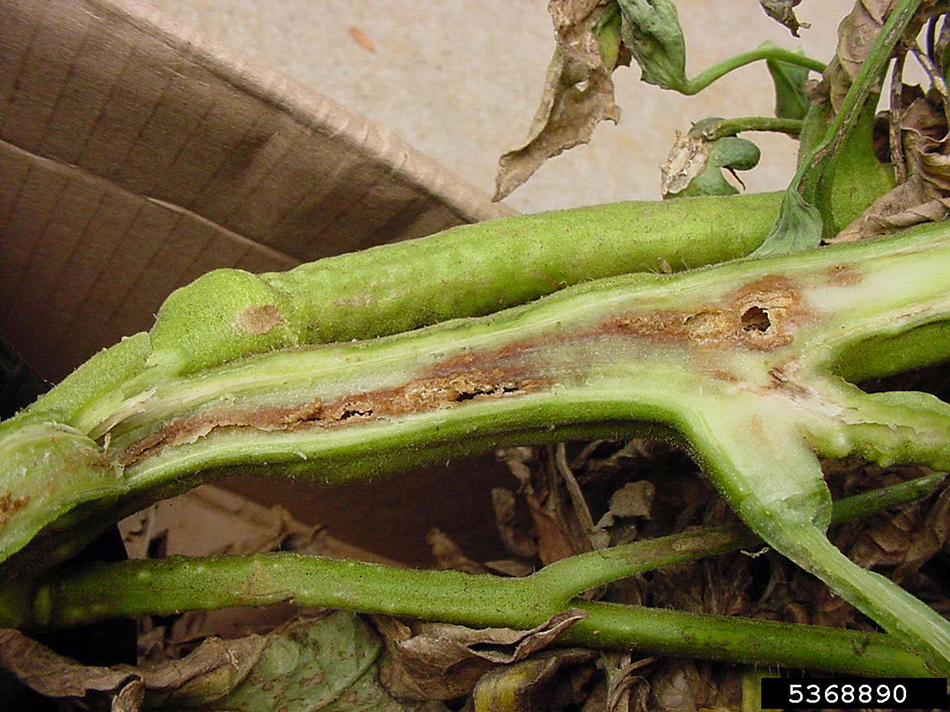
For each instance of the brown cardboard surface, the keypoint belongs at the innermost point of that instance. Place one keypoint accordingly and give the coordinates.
(136, 154)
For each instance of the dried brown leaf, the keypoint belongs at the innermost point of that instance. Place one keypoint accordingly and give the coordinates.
(856, 35)
(905, 540)
(634, 499)
(440, 661)
(578, 94)
(448, 554)
(689, 686)
(626, 684)
(925, 196)
(209, 521)
(53, 675)
(783, 11)
(562, 529)
(516, 535)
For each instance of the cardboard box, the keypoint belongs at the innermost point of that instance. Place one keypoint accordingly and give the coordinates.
(136, 154)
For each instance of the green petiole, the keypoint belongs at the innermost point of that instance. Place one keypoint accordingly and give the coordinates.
(714, 129)
(766, 52)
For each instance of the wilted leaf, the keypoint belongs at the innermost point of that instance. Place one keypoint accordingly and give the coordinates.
(440, 661)
(325, 663)
(694, 165)
(651, 30)
(532, 684)
(925, 195)
(783, 11)
(791, 98)
(578, 91)
(856, 35)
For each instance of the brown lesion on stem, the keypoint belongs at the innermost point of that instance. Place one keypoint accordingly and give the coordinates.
(417, 396)
(844, 275)
(761, 316)
(258, 320)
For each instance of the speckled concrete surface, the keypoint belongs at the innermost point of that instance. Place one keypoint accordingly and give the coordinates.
(461, 81)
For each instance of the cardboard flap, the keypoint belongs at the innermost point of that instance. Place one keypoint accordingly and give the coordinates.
(136, 154)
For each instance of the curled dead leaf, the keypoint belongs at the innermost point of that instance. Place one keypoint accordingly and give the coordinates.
(783, 11)
(925, 195)
(695, 164)
(59, 677)
(440, 661)
(328, 662)
(856, 35)
(578, 94)
(686, 160)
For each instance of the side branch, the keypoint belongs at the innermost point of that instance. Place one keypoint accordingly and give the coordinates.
(137, 588)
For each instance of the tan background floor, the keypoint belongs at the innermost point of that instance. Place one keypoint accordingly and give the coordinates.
(461, 80)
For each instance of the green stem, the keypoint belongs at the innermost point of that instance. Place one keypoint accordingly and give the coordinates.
(470, 270)
(735, 359)
(720, 69)
(719, 128)
(137, 588)
(164, 587)
(738, 640)
(570, 577)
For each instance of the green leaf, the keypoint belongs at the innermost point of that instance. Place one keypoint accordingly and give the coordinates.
(313, 664)
(791, 99)
(651, 30)
(853, 177)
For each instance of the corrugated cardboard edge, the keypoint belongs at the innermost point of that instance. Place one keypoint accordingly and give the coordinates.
(136, 154)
